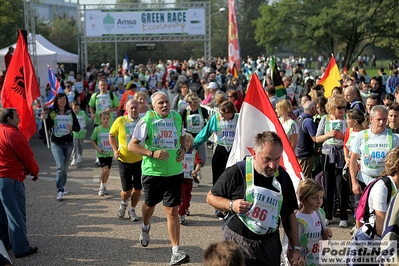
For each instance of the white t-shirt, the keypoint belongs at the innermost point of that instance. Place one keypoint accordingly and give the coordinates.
(290, 127)
(357, 146)
(378, 196)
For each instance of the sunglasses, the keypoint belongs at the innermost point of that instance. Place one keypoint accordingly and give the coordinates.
(230, 96)
(67, 86)
(341, 107)
(189, 102)
(224, 114)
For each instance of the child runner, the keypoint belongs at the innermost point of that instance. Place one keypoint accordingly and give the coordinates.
(78, 137)
(191, 167)
(310, 218)
(105, 154)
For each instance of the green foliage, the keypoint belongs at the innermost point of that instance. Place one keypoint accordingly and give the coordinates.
(64, 33)
(247, 10)
(11, 19)
(325, 27)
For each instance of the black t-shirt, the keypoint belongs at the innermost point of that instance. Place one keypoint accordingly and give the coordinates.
(230, 185)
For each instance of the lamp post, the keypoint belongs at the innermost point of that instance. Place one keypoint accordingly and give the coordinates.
(221, 10)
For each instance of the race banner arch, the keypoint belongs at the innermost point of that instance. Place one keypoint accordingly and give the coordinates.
(143, 23)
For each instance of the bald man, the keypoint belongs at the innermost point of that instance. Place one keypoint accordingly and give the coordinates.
(351, 96)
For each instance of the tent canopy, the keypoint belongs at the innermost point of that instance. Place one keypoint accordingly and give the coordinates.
(47, 53)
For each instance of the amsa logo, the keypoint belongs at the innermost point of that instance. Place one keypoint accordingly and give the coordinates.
(125, 22)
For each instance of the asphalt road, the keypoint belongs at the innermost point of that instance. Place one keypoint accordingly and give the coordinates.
(84, 228)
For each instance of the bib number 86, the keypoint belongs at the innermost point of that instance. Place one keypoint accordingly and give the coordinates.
(259, 213)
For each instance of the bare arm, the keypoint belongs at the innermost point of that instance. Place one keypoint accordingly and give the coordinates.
(322, 138)
(114, 144)
(223, 204)
(92, 113)
(346, 155)
(294, 140)
(134, 146)
(379, 222)
(353, 166)
(290, 225)
(96, 147)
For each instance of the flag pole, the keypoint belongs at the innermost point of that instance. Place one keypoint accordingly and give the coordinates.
(45, 125)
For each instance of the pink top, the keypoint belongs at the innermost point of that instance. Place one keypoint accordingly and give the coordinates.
(207, 99)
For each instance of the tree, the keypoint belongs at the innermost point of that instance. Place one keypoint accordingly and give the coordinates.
(64, 33)
(246, 11)
(335, 26)
(11, 19)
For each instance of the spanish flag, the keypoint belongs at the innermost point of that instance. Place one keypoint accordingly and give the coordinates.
(331, 77)
(234, 71)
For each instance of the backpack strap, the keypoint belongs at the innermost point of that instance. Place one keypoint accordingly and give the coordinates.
(388, 184)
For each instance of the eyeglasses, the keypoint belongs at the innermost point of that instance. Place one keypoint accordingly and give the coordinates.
(341, 107)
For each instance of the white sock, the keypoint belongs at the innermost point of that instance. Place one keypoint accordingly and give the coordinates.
(146, 227)
(175, 249)
(132, 208)
(124, 202)
(103, 185)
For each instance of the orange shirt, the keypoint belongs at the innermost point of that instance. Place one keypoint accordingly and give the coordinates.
(125, 97)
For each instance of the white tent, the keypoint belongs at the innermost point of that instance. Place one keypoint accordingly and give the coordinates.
(47, 53)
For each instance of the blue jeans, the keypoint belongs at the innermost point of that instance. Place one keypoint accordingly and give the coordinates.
(13, 215)
(62, 154)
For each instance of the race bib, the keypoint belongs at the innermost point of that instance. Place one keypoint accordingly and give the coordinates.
(60, 125)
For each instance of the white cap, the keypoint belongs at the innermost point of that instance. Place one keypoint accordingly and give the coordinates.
(212, 85)
(306, 71)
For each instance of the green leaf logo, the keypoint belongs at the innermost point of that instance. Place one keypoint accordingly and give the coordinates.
(108, 22)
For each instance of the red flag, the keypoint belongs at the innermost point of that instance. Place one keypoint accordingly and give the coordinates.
(257, 115)
(234, 44)
(21, 87)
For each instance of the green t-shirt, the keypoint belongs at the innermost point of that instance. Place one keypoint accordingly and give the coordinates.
(101, 102)
(83, 119)
(101, 137)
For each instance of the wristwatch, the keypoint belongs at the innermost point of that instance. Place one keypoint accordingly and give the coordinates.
(297, 248)
(231, 205)
(152, 154)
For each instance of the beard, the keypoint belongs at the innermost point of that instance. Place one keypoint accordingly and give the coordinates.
(267, 172)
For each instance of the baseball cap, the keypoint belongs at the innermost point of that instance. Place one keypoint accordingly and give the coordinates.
(212, 85)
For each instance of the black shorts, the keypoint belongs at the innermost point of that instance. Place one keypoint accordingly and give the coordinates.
(166, 188)
(130, 174)
(106, 161)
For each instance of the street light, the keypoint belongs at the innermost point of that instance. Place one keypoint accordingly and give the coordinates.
(221, 10)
